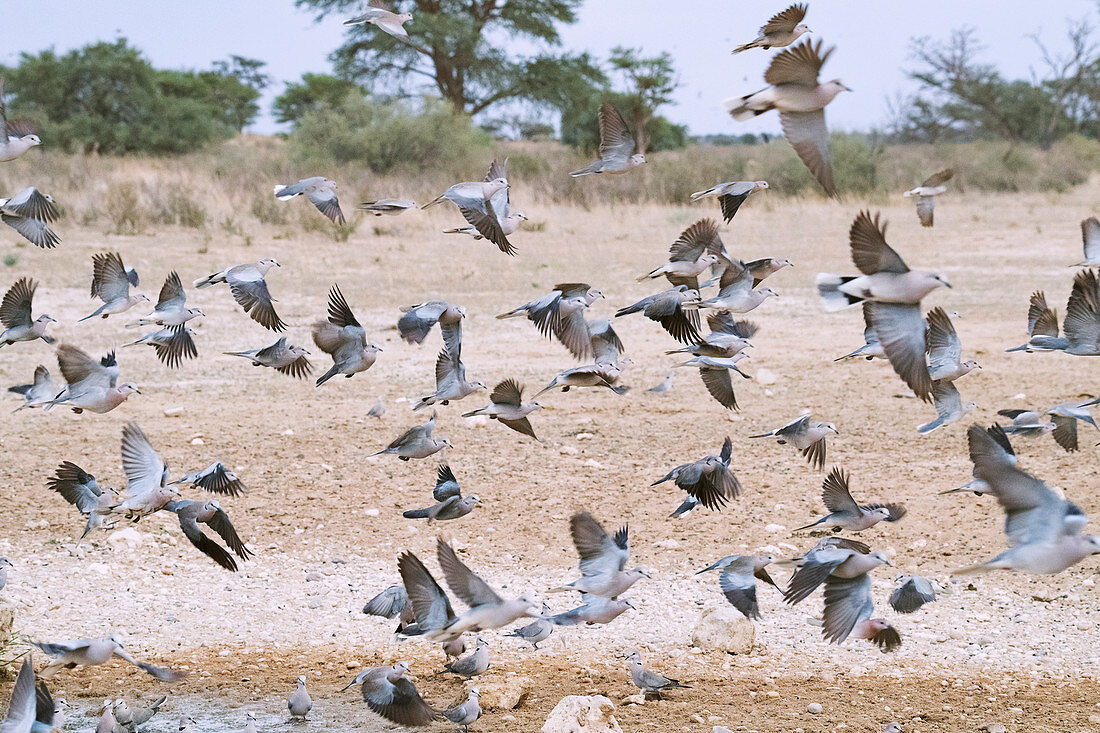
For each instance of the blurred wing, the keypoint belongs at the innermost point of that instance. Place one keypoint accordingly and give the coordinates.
(1082, 323)
(21, 704)
(465, 584)
(785, 21)
(937, 179)
(799, 65)
(1090, 237)
(900, 329)
(695, 241)
(34, 231)
(144, 469)
(926, 206)
(847, 601)
(253, 296)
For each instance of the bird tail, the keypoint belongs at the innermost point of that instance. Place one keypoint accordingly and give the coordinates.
(50, 340)
(629, 309)
(715, 566)
(593, 167)
(746, 46)
(433, 202)
(1024, 347)
(513, 313)
(828, 287)
(741, 109)
(20, 388)
(547, 388)
(478, 411)
(91, 315)
(984, 567)
(280, 195)
(561, 589)
(799, 529)
(203, 282)
(423, 402)
(655, 273)
(700, 194)
(620, 389)
(328, 375)
(851, 354)
(415, 514)
(928, 427)
(763, 435)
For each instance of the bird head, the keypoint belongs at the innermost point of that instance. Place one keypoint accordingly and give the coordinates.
(447, 443)
(250, 715)
(760, 185)
(829, 426)
(522, 217)
(878, 624)
(537, 406)
(6, 561)
(637, 159)
(765, 559)
(477, 384)
(402, 666)
(911, 193)
(836, 86)
(634, 656)
(902, 579)
(195, 313)
(892, 728)
(640, 573)
(116, 640)
(881, 556)
(473, 499)
(372, 348)
(474, 692)
(709, 259)
(941, 280)
(972, 364)
(800, 29)
(1092, 542)
(768, 291)
(128, 388)
(628, 604)
(480, 642)
(32, 139)
(594, 294)
(405, 17)
(785, 263)
(302, 680)
(298, 351)
(45, 319)
(266, 264)
(497, 185)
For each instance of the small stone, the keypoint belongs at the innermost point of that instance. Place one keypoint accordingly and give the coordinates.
(568, 450)
(766, 376)
(313, 576)
(314, 603)
(814, 708)
(582, 714)
(197, 441)
(129, 535)
(288, 432)
(353, 664)
(371, 512)
(697, 718)
(638, 699)
(775, 528)
(669, 544)
(584, 436)
(507, 694)
(591, 463)
(477, 421)
(995, 728)
(173, 411)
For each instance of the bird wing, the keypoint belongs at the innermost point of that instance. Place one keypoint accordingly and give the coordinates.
(398, 702)
(900, 329)
(15, 308)
(324, 198)
(144, 469)
(599, 552)
(218, 479)
(500, 200)
(667, 309)
(1041, 319)
(339, 312)
(739, 587)
(616, 144)
(735, 279)
(429, 602)
(205, 545)
(1082, 322)
(911, 595)
(720, 386)
(3, 115)
(870, 252)
(109, 280)
(21, 705)
(220, 523)
(446, 485)
(523, 425)
(572, 332)
(722, 322)
(161, 673)
(835, 493)
(79, 368)
(171, 293)
(926, 210)
(944, 346)
(253, 296)
(606, 345)
(1090, 237)
(34, 231)
(816, 566)
(416, 321)
(448, 370)
(698, 239)
(794, 427)
(799, 65)
(847, 601)
(389, 603)
(483, 216)
(178, 346)
(1065, 432)
(76, 486)
(462, 581)
(507, 392)
(786, 20)
(32, 204)
(937, 179)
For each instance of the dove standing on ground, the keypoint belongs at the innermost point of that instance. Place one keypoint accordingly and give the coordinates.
(130, 718)
(171, 309)
(5, 563)
(280, 356)
(616, 146)
(603, 559)
(91, 383)
(380, 16)
(782, 29)
(949, 406)
(37, 394)
(15, 314)
(663, 387)
(111, 284)
(320, 191)
(391, 694)
(474, 200)
(93, 652)
(450, 382)
(29, 212)
(709, 480)
(498, 220)
(193, 513)
(801, 100)
(467, 713)
(416, 442)
(249, 289)
(926, 192)
(807, 436)
(388, 207)
(911, 592)
(845, 513)
(417, 320)
(378, 409)
(299, 703)
(342, 338)
(1044, 531)
(696, 249)
(474, 664)
(736, 292)
(250, 725)
(16, 138)
(450, 504)
(1090, 241)
(508, 408)
(649, 682)
(1081, 325)
(738, 580)
(172, 345)
(731, 195)
(894, 292)
(536, 631)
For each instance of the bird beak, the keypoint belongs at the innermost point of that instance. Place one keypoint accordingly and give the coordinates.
(348, 685)
(138, 391)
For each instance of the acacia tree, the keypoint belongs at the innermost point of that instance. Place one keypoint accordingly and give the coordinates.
(456, 47)
(649, 82)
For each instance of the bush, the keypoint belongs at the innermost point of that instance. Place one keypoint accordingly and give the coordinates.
(388, 136)
(124, 209)
(176, 207)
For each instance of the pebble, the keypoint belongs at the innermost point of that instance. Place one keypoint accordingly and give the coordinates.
(591, 463)
(313, 576)
(584, 436)
(353, 664)
(173, 411)
(371, 512)
(197, 441)
(775, 528)
(995, 728)
(766, 376)
(314, 603)
(568, 450)
(814, 708)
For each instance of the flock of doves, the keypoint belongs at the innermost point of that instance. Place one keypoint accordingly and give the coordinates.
(1044, 530)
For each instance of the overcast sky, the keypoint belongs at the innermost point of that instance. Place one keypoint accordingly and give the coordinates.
(872, 39)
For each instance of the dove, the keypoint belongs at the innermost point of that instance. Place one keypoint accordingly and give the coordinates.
(5, 563)
(715, 373)
(91, 385)
(80, 488)
(111, 284)
(801, 100)
(649, 682)
(450, 382)
(22, 703)
(417, 320)
(378, 409)
(93, 652)
(388, 207)
(450, 504)
(708, 480)
(560, 313)
(738, 580)
(299, 703)
(782, 29)
(49, 714)
(594, 375)
(475, 201)
(416, 442)
(894, 292)
(473, 664)
(949, 406)
(1002, 448)
(696, 249)
(667, 309)
(248, 285)
(845, 513)
(806, 435)
(171, 307)
(925, 195)
(391, 694)
(594, 610)
(131, 718)
(911, 592)
(210, 513)
(663, 387)
(342, 338)
(498, 220)
(507, 407)
(872, 347)
(15, 315)
(616, 146)
(280, 356)
(536, 631)
(1090, 240)
(16, 138)
(320, 191)
(466, 713)
(425, 608)
(727, 337)
(216, 478)
(1081, 325)
(147, 487)
(172, 345)
(945, 348)
(736, 292)
(731, 195)
(30, 212)
(603, 559)
(380, 16)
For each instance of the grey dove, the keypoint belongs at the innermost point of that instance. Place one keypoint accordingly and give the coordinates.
(416, 442)
(715, 373)
(391, 694)
(82, 490)
(171, 308)
(694, 251)
(30, 212)
(560, 313)
(602, 559)
(381, 17)
(616, 146)
(736, 290)
(1090, 242)
(320, 191)
(111, 283)
(416, 323)
(93, 652)
(450, 504)
(507, 407)
(344, 339)
(216, 478)
(172, 345)
(16, 138)
(667, 308)
(911, 592)
(473, 664)
(925, 195)
(782, 29)
(536, 631)
(498, 220)
(845, 513)
(451, 383)
(949, 406)
(663, 387)
(467, 713)
(5, 563)
(21, 713)
(388, 206)
(738, 580)
(731, 195)
(90, 385)
(210, 513)
(299, 703)
(282, 357)
(147, 488)
(708, 480)
(872, 347)
(378, 409)
(805, 435)
(594, 610)
(16, 315)
(945, 348)
(248, 285)
(647, 681)
(1081, 326)
(474, 200)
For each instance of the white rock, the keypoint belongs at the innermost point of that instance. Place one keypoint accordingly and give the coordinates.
(506, 694)
(721, 729)
(775, 528)
(568, 450)
(724, 629)
(582, 714)
(198, 441)
(583, 436)
(765, 376)
(173, 411)
(129, 535)
(995, 728)
(814, 708)
(591, 463)
(371, 512)
(477, 421)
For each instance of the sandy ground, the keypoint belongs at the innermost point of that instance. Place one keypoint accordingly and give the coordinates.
(1019, 651)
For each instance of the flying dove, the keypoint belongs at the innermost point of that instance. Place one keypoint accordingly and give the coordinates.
(91, 385)
(193, 513)
(217, 478)
(894, 292)
(147, 487)
(450, 382)
(731, 195)
(416, 442)
(1081, 324)
(1004, 452)
(709, 480)
(249, 289)
(736, 292)
(475, 200)
(280, 356)
(845, 513)
(380, 16)
(111, 284)
(696, 249)
(38, 394)
(949, 406)
(807, 436)
(503, 221)
(391, 694)
(171, 309)
(507, 407)
(393, 602)
(417, 320)
(647, 681)
(473, 664)
(1044, 531)
(30, 212)
(388, 207)
(320, 191)
(616, 146)
(16, 136)
(342, 338)
(594, 610)
(801, 100)
(15, 314)
(872, 347)
(593, 375)
(667, 309)
(926, 192)
(911, 592)
(782, 29)
(429, 608)
(536, 631)
(172, 345)
(560, 313)
(1090, 239)
(80, 488)
(727, 337)
(466, 713)
(603, 559)
(93, 652)
(945, 348)
(1065, 417)
(738, 580)
(22, 707)
(299, 703)
(715, 373)
(450, 504)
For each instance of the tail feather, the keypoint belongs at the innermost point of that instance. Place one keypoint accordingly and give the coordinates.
(591, 168)
(423, 402)
(828, 287)
(984, 567)
(328, 375)
(799, 529)
(433, 202)
(415, 514)
(203, 282)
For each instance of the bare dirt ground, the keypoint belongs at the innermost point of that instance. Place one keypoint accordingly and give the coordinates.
(1019, 651)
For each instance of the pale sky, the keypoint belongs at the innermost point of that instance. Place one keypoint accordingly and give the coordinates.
(872, 39)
